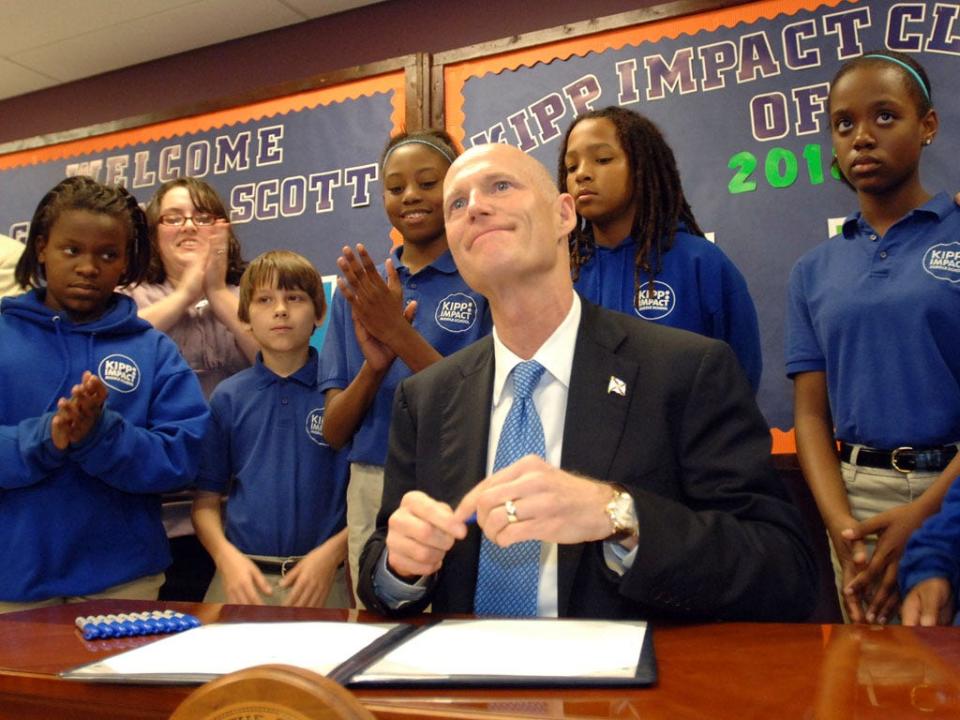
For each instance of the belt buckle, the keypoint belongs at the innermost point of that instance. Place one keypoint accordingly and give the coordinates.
(894, 457)
(288, 564)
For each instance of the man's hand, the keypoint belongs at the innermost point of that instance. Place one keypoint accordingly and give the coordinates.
(420, 533)
(551, 505)
(76, 415)
(929, 603)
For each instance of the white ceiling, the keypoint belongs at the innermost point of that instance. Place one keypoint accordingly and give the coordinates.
(49, 42)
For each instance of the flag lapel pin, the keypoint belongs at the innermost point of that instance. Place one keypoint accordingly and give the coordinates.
(616, 386)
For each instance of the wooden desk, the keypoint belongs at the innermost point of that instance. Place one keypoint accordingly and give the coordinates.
(736, 670)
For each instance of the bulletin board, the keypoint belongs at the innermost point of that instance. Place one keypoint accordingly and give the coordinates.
(297, 165)
(739, 89)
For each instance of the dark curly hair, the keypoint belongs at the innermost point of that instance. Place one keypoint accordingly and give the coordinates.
(85, 193)
(657, 193)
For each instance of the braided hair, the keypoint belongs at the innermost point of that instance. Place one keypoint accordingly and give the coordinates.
(85, 193)
(658, 198)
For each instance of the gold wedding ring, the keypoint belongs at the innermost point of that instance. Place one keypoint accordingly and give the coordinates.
(511, 509)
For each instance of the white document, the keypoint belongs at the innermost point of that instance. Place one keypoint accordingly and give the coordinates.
(515, 649)
(214, 650)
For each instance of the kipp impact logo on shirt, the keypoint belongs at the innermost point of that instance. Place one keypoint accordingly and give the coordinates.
(315, 427)
(943, 261)
(657, 305)
(120, 373)
(456, 313)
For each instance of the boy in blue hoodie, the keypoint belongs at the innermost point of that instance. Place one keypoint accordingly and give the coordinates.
(99, 414)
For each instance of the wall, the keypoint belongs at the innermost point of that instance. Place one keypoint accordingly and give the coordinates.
(368, 34)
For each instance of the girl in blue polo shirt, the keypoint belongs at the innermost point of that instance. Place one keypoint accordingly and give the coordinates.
(389, 322)
(873, 322)
(99, 414)
(637, 247)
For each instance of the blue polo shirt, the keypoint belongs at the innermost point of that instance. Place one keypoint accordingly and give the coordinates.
(449, 316)
(287, 486)
(698, 289)
(881, 316)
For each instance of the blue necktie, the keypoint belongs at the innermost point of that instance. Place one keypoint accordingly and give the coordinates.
(508, 578)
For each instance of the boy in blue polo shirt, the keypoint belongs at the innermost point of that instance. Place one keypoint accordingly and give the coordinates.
(285, 539)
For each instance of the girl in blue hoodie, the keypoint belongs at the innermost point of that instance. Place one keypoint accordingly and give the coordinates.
(99, 414)
(638, 248)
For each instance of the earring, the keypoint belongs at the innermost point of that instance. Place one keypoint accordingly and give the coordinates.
(927, 141)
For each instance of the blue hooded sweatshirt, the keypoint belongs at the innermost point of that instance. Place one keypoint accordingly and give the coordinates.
(78, 521)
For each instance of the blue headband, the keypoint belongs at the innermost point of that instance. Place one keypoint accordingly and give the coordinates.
(419, 141)
(905, 66)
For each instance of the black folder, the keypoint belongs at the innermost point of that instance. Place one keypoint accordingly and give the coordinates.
(538, 652)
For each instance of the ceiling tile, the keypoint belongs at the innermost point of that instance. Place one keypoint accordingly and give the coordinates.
(175, 30)
(29, 24)
(319, 8)
(17, 80)
(44, 47)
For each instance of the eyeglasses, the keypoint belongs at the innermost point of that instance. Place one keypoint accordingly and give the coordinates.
(178, 220)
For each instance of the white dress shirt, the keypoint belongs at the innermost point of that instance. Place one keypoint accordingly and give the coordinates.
(550, 399)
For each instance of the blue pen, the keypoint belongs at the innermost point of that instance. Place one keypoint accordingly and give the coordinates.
(150, 624)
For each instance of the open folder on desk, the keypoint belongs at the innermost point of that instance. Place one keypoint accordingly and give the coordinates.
(488, 652)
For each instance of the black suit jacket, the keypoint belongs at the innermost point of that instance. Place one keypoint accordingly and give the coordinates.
(718, 537)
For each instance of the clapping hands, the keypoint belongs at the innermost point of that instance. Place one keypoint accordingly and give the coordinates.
(77, 414)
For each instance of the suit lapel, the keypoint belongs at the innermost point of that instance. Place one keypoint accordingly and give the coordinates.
(466, 419)
(463, 446)
(602, 384)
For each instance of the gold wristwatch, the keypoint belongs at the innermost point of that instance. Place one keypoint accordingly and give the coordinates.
(622, 514)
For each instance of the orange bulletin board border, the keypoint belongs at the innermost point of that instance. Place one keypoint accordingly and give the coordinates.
(405, 76)
(656, 23)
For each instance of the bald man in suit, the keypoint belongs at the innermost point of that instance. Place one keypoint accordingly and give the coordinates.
(655, 497)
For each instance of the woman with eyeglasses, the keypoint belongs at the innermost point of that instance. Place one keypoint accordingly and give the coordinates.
(191, 287)
(191, 294)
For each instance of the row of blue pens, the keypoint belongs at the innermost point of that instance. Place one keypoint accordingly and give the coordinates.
(101, 627)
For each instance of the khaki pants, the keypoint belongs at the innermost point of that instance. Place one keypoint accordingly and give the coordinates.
(339, 596)
(364, 494)
(145, 588)
(870, 492)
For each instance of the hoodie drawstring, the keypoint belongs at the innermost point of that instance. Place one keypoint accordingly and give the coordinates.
(62, 341)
